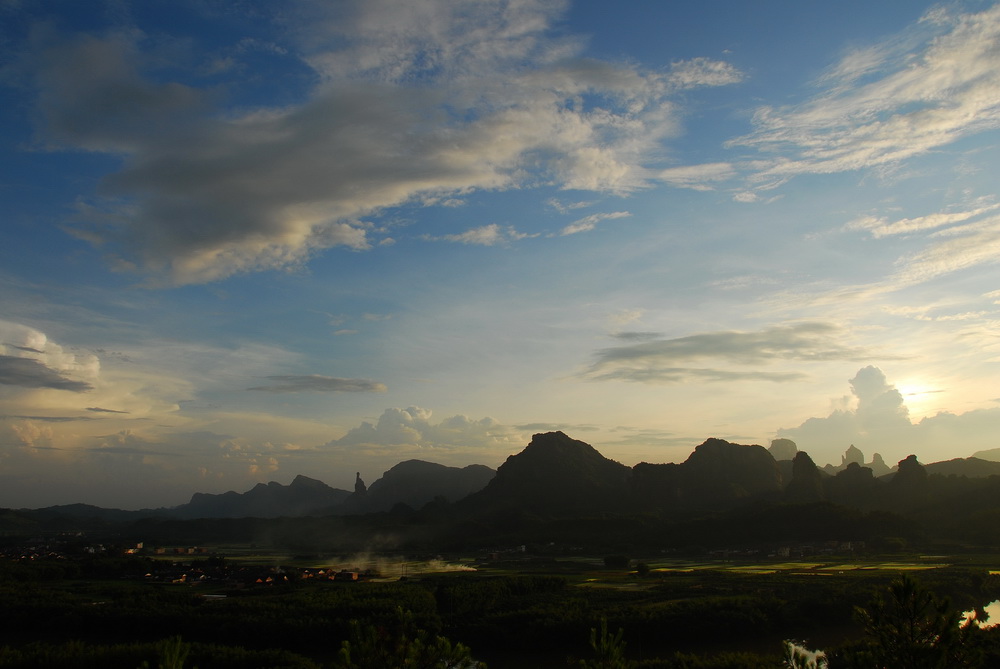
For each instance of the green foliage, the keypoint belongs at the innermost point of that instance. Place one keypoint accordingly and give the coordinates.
(712, 661)
(908, 627)
(403, 645)
(609, 649)
(173, 652)
(460, 597)
(673, 620)
(80, 655)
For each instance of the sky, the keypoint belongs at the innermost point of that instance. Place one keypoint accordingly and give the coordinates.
(243, 241)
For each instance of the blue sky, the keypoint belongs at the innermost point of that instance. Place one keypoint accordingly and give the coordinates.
(245, 241)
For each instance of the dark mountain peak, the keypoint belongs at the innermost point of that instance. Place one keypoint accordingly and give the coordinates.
(559, 444)
(807, 482)
(417, 482)
(551, 457)
(803, 464)
(733, 471)
(412, 467)
(852, 486)
(556, 473)
(303, 496)
(718, 474)
(970, 467)
(910, 473)
(359, 486)
(715, 453)
(301, 482)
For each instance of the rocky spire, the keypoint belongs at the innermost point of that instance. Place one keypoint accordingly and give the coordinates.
(783, 449)
(853, 454)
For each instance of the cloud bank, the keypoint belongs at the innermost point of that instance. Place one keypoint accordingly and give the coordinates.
(876, 420)
(413, 427)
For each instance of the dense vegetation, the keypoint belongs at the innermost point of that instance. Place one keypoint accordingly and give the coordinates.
(104, 612)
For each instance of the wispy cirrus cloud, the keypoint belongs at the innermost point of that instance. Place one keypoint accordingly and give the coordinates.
(697, 177)
(486, 235)
(316, 383)
(588, 223)
(881, 226)
(881, 105)
(949, 251)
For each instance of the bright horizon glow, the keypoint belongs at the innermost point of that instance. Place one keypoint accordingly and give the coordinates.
(242, 243)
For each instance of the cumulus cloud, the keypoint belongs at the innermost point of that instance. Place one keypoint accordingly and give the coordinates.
(413, 427)
(927, 88)
(414, 104)
(875, 419)
(29, 359)
(659, 360)
(316, 383)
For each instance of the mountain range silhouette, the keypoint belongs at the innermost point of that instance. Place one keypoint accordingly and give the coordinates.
(558, 479)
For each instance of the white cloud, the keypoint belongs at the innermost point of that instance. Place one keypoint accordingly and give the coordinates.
(880, 226)
(889, 103)
(29, 359)
(588, 223)
(486, 235)
(703, 72)
(876, 420)
(413, 427)
(952, 250)
(697, 177)
(415, 104)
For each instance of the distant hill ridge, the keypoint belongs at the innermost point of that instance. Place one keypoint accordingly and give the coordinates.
(303, 496)
(556, 475)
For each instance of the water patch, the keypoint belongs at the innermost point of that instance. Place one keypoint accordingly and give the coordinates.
(987, 617)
